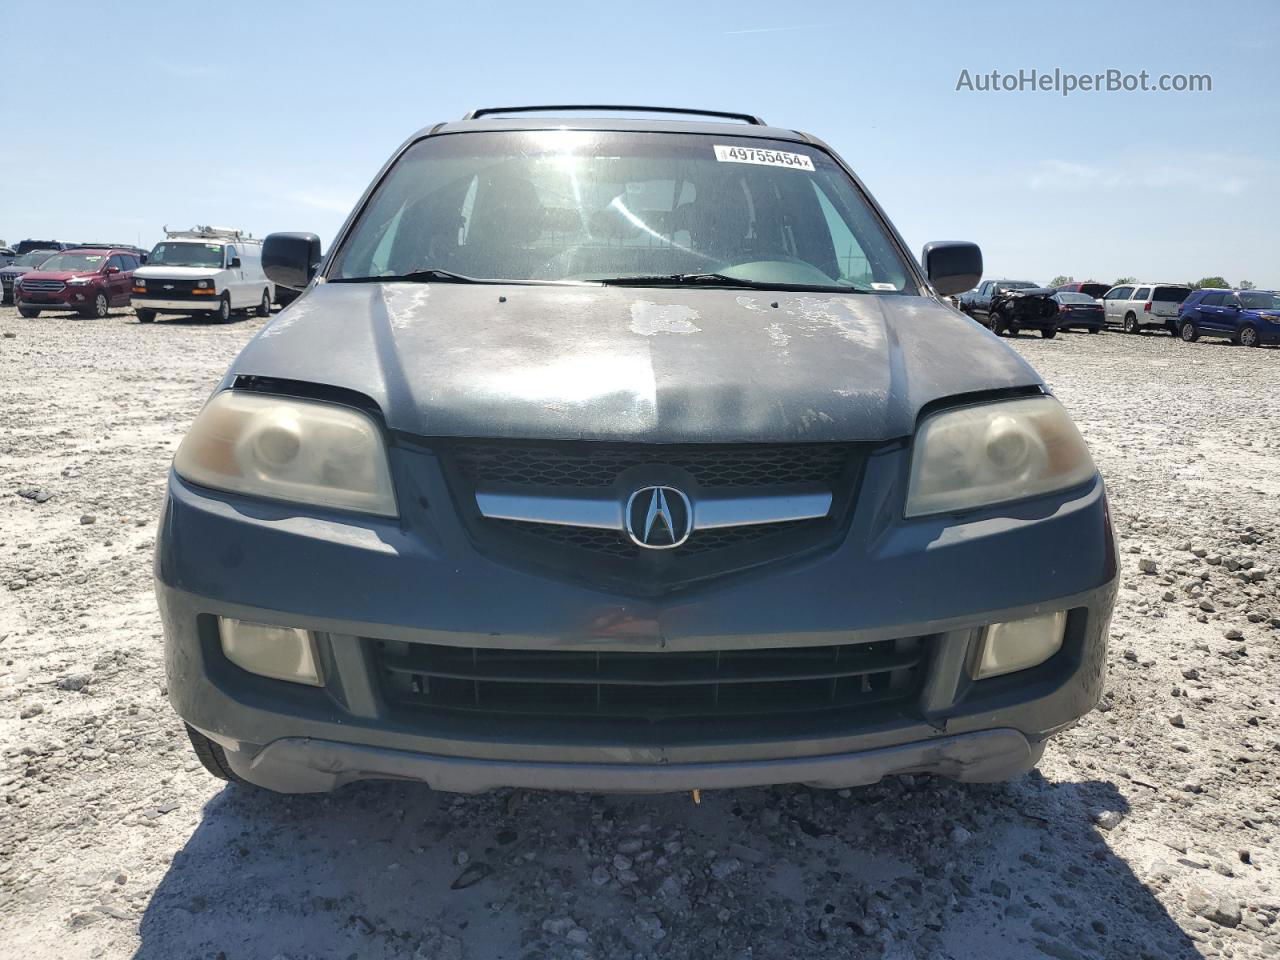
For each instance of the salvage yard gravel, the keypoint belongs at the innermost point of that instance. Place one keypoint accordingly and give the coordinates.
(1149, 830)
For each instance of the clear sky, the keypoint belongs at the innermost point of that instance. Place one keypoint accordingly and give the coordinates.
(119, 118)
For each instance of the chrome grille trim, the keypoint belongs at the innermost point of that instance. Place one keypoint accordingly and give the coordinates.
(43, 286)
(710, 511)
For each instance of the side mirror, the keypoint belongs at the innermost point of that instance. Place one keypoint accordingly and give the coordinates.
(952, 266)
(113, 269)
(291, 259)
(235, 262)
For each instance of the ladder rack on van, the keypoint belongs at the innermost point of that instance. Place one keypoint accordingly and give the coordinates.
(207, 233)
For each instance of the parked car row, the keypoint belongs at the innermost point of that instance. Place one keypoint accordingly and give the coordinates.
(1014, 305)
(1249, 317)
(208, 271)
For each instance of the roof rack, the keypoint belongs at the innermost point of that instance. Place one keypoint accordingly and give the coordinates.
(199, 232)
(615, 107)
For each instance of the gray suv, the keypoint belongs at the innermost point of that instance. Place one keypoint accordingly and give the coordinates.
(628, 455)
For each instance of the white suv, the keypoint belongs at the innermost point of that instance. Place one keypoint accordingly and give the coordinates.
(1133, 306)
(206, 270)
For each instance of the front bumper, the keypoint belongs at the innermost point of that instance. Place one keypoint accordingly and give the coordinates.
(354, 581)
(204, 305)
(72, 298)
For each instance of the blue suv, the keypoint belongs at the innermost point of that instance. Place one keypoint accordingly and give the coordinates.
(1247, 317)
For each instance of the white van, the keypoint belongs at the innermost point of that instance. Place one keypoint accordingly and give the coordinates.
(205, 270)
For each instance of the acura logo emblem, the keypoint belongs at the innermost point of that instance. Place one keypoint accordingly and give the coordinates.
(659, 517)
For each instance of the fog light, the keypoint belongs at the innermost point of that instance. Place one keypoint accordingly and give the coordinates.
(1020, 644)
(282, 653)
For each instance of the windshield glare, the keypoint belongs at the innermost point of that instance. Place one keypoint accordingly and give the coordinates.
(564, 205)
(1076, 298)
(186, 255)
(75, 262)
(1259, 300)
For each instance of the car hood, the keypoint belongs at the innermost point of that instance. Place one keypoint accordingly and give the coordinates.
(14, 268)
(63, 275)
(647, 365)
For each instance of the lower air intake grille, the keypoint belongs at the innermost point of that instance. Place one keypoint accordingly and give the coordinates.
(650, 687)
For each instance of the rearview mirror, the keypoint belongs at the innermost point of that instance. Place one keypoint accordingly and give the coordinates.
(291, 259)
(952, 266)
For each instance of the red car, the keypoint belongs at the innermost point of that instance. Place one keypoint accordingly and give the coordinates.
(89, 280)
(1089, 287)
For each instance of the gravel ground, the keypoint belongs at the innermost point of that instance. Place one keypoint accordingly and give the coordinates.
(1150, 829)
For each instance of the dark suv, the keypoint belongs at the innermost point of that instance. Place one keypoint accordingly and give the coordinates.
(88, 280)
(628, 454)
(22, 264)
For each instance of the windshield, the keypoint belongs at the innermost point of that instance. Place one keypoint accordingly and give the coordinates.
(562, 205)
(33, 259)
(1014, 285)
(1258, 300)
(74, 262)
(172, 254)
(1076, 298)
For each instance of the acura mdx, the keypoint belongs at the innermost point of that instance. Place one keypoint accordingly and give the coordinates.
(628, 454)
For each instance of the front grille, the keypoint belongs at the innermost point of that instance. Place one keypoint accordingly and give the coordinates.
(170, 289)
(650, 688)
(608, 558)
(598, 465)
(43, 286)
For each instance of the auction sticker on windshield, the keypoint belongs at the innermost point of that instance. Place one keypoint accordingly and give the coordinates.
(770, 158)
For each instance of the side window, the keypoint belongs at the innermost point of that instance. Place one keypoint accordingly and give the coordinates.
(231, 254)
(117, 261)
(1212, 300)
(1142, 293)
(1121, 293)
(1230, 300)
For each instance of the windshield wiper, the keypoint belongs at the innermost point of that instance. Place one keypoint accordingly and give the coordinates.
(434, 275)
(415, 276)
(722, 280)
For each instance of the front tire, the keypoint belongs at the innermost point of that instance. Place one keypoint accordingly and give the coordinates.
(1248, 337)
(995, 323)
(1095, 329)
(146, 316)
(1131, 324)
(224, 309)
(1048, 333)
(1189, 332)
(212, 757)
(264, 307)
(98, 309)
(29, 312)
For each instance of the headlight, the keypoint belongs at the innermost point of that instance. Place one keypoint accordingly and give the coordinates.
(202, 284)
(301, 451)
(993, 453)
(139, 281)
(79, 281)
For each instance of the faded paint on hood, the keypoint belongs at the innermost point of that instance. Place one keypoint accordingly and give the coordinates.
(646, 365)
